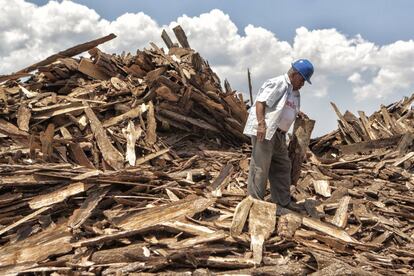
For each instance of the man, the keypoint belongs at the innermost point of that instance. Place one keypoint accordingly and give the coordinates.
(275, 109)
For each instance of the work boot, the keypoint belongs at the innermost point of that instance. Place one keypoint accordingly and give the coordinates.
(293, 206)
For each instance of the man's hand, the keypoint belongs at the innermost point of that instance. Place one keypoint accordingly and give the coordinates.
(302, 115)
(261, 131)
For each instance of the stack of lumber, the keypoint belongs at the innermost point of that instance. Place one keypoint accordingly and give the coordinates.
(98, 178)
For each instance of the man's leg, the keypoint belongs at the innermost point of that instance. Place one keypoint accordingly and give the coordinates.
(259, 168)
(279, 172)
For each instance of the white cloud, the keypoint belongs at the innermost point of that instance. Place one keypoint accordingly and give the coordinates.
(355, 78)
(343, 64)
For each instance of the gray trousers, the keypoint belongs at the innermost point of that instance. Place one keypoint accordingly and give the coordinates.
(270, 160)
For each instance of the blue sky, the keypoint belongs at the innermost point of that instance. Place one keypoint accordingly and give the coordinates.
(363, 51)
(380, 21)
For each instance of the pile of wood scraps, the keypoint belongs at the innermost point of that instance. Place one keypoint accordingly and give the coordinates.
(136, 164)
(106, 110)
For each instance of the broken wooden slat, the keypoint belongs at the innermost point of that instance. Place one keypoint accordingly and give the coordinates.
(329, 230)
(151, 125)
(341, 216)
(262, 221)
(190, 242)
(181, 37)
(151, 156)
(132, 134)
(299, 145)
(73, 51)
(80, 215)
(51, 241)
(110, 154)
(23, 220)
(322, 187)
(370, 145)
(157, 215)
(240, 216)
(131, 114)
(92, 70)
(167, 40)
(23, 117)
(119, 255)
(188, 228)
(58, 195)
(46, 139)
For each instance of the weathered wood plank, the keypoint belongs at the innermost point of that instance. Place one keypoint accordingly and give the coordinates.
(110, 154)
(262, 222)
(58, 195)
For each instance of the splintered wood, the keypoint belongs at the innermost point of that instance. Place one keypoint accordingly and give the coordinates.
(136, 164)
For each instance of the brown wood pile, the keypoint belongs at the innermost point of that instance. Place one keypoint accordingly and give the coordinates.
(134, 164)
(104, 110)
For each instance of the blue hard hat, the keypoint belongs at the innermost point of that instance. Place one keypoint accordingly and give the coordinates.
(304, 67)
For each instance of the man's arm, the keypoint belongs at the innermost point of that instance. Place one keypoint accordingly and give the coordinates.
(260, 115)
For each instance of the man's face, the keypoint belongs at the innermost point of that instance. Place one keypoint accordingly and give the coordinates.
(297, 81)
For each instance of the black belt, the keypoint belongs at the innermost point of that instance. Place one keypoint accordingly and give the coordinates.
(281, 131)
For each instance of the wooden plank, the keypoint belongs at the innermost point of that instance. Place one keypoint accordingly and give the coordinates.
(92, 70)
(151, 137)
(322, 187)
(222, 180)
(341, 216)
(132, 134)
(370, 145)
(23, 117)
(151, 156)
(262, 221)
(129, 115)
(110, 154)
(11, 130)
(58, 111)
(23, 220)
(46, 138)
(185, 119)
(240, 216)
(181, 37)
(80, 156)
(186, 227)
(160, 214)
(206, 238)
(167, 40)
(52, 241)
(405, 143)
(299, 145)
(73, 51)
(119, 255)
(58, 195)
(81, 214)
(249, 80)
(329, 230)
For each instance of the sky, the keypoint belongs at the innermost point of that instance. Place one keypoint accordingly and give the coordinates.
(362, 50)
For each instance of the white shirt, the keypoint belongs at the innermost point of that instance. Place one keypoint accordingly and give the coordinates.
(274, 92)
(290, 110)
